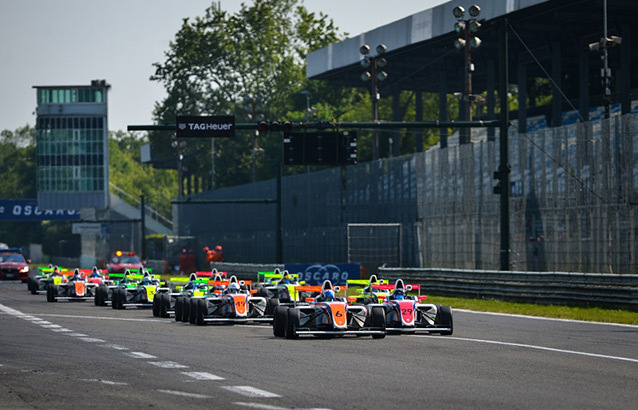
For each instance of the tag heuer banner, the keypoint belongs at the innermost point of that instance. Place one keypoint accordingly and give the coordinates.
(189, 126)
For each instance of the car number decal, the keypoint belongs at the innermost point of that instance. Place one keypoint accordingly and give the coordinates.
(79, 288)
(150, 292)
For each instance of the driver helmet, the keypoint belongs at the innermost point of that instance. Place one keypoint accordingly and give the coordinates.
(399, 294)
(329, 295)
(287, 278)
(233, 288)
(94, 272)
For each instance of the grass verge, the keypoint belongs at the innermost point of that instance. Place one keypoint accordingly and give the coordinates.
(592, 314)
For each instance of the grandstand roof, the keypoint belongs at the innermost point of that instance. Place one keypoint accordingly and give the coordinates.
(420, 46)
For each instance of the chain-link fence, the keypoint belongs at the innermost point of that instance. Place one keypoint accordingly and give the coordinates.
(574, 205)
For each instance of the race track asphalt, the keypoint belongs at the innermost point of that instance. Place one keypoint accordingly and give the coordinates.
(76, 355)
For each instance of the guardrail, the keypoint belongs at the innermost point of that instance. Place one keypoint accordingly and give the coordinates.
(603, 289)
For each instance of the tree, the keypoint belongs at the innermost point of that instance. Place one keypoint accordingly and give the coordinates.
(250, 64)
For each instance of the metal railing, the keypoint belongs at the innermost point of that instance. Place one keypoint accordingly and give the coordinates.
(135, 201)
(537, 287)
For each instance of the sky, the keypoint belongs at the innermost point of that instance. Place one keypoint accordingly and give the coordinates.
(71, 42)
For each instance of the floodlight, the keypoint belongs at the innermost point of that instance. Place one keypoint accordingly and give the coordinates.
(475, 10)
(459, 43)
(382, 75)
(474, 26)
(366, 76)
(459, 27)
(475, 42)
(364, 49)
(381, 48)
(382, 62)
(365, 62)
(458, 12)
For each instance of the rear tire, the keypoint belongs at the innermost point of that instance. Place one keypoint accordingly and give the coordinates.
(201, 311)
(378, 320)
(34, 286)
(156, 304)
(186, 311)
(279, 321)
(165, 304)
(271, 305)
(444, 318)
(292, 323)
(263, 292)
(192, 317)
(179, 308)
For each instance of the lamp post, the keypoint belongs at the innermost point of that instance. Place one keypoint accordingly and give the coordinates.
(466, 28)
(605, 73)
(252, 106)
(307, 94)
(372, 73)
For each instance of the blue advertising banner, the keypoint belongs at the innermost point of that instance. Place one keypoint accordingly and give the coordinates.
(316, 273)
(27, 210)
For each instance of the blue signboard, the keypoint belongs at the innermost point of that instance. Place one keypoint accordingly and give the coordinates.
(27, 210)
(316, 273)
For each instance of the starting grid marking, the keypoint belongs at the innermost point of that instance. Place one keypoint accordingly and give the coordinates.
(247, 391)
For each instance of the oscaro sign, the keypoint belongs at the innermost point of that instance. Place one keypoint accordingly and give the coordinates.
(205, 126)
(315, 274)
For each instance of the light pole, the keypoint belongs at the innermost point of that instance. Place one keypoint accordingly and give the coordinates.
(466, 28)
(252, 106)
(307, 94)
(602, 45)
(374, 75)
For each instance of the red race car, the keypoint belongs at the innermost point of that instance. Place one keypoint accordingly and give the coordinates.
(121, 261)
(13, 265)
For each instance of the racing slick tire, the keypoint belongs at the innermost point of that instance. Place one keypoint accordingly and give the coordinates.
(200, 311)
(444, 317)
(165, 303)
(96, 298)
(186, 311)
(271, 305)
(52, 292)
(34, 286)
(192, 317)
(30, 284)
(156, 304)
(179, 308)
(119, 296)
(279, 321)
(101, 294)
(292, 323)
(378, 320)
(263, 292)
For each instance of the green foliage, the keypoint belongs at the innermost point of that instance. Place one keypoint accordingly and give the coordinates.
(249, 64)
(158, 186)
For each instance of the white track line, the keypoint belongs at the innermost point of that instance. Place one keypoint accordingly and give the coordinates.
(545, 318)
(140, 355)
(185, 394)
(268, 406)
(107, 318)
(250, 391)
(92, 340)
(105, 382)
(550, 349)
(168, 365)
(202, 376)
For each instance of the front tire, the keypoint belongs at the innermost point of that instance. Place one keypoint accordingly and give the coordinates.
(201, 311)
(444, 318)
(279, 321)
(271, 305)
(192, 317)
(179, 308)
(156, 304)
(165, 304)
(52, 292)
(378, 320)
(186, 309)
(292, 323)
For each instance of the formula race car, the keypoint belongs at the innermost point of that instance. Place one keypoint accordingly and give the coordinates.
(77, 287)
(233, 305)
(13, 265)
(406, 314)
(134, 293)
(283, 286)
(370, 293)
(197, 284)
(329, 316)
(51, 275)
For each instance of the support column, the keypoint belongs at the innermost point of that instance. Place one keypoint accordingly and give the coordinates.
(443, 107)
(396, 116)
(557, 99)
(522, 98)
(491, 100)
(583, 83)
(419, 117)
(623, 90)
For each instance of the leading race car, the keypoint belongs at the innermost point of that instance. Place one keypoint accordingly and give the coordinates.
(406, 314)
(329, 316)
(370, 293)
(77, 287)
(233, 305)
(197, 284)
